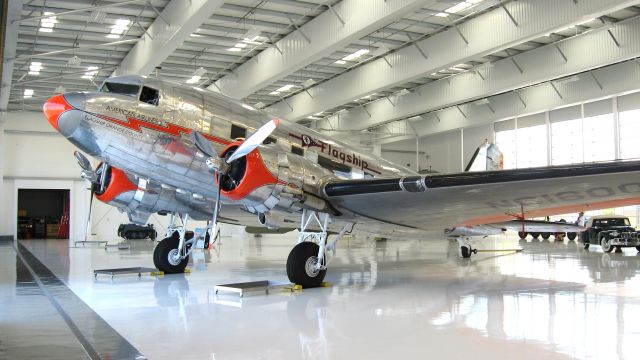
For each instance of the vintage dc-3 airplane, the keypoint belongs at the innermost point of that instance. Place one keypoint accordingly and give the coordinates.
(165, 147)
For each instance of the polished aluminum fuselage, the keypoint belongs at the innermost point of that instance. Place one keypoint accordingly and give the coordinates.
(152, 144)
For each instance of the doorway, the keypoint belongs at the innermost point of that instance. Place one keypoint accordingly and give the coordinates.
(43, 214)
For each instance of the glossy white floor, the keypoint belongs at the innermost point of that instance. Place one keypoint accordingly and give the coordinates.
(389, 299)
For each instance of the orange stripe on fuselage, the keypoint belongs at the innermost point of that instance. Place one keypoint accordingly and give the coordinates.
(171, 129)
(558, 210)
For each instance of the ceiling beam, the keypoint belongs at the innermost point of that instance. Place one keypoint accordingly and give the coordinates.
(177, 21)
(330, 31)
(488, 33)
(580, 53)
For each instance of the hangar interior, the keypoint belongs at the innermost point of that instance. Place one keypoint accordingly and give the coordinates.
(421, 83)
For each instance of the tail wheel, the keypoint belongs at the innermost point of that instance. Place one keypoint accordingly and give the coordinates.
(572, 236)
(604, 243)
(301, 265)
(522, 234)
(165, 256)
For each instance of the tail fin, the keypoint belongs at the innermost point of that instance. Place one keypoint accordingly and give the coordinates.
(486, 158)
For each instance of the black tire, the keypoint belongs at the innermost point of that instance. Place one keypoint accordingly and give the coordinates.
(161, 256)
(586, 246)
(465, 251)
(546, 235)
(572, 236)
(300, 256)
(638, 247)
(522, 234)
(535, 235)
(604, 243)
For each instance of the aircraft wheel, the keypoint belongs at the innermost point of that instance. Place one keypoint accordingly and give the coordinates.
(572, 236)
(522, 234)
(301, 265)
(466, 251)
(164, 256)
(546, 235)
(535, 235)
(638, 247)
(604, 243)
(586, 246)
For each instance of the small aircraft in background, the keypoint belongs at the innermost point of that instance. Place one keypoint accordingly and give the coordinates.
(182, 151)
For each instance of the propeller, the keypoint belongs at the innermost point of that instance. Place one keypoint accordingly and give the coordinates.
(215, 162)
(92, 177)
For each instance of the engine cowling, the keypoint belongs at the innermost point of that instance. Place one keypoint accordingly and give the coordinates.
(140, 198)
(268, 176)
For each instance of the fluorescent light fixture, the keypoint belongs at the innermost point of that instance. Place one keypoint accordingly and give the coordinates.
(47, 24)
(308, 83)
(455, 68)
(194, 79)
(570, 79)
(352, 56)
(200, 71)
(313, 118)
(234, 49)
(355, 55)
(35, 67)
(248, 107)
(458, 7)
(240, 45)
(414, 118)
(274, 93)
(91, 72)
(251, 35)
(28, 93)
(195, 35)
(119, 28)
(285, 88)
(403, 92)
(318, 114)
(260, 105)
(484, 101)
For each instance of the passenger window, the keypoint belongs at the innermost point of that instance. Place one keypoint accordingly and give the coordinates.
(297, 150)
(150, 96)
(238, 132)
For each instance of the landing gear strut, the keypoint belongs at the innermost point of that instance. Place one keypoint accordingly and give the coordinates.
(307, 261)
(171, 255)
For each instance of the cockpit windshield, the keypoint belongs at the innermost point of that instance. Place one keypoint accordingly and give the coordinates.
(120, 88)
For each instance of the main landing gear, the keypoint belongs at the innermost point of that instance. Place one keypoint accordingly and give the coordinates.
(307, 261)
(171, 255)
(465, 248)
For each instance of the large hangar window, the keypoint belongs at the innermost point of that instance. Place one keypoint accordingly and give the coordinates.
(566, 135)
(599, 131)
(629, 119)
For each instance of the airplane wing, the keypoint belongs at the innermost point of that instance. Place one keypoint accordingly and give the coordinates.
(476, 198)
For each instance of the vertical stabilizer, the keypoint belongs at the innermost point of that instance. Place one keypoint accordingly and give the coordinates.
(487, 157)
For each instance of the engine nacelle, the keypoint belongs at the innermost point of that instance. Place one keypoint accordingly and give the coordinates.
(140, 198)
(268, 176)
(269, 220)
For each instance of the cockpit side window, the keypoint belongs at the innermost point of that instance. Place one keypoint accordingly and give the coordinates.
(150, 96)
(122, 89)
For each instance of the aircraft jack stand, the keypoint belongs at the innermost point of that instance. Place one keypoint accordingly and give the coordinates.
(475, 251)
(125, 271)
(253, 286)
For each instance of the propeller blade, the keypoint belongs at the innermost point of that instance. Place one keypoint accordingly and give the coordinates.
(216, 209)
(82, 161)
(203, 144)
(87, 230)
(254, 140)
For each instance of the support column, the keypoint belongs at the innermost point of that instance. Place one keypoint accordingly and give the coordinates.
(3, 205)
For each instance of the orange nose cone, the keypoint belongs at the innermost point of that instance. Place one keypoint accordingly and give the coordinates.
(54, 107)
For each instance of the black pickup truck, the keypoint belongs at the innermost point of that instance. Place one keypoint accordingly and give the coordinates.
(610, 231)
